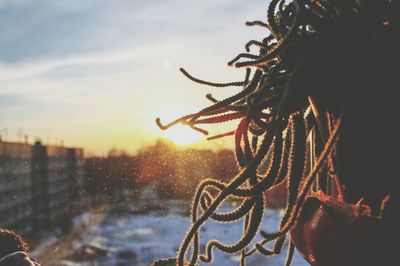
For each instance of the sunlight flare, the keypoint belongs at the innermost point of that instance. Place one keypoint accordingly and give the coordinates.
(182, 135)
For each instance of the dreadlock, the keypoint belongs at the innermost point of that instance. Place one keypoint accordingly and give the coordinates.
(281, 103)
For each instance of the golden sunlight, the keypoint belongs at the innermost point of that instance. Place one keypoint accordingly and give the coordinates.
(182, 135)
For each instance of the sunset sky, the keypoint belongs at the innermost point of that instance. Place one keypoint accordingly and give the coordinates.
(96, 73)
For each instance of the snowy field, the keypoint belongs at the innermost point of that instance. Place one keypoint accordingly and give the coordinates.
(140, 237)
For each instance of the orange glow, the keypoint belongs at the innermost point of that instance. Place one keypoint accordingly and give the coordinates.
(182, 135)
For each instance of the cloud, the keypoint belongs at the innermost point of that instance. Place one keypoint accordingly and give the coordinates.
(40, 29)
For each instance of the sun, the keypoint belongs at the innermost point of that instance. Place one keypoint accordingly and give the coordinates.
(182, 135)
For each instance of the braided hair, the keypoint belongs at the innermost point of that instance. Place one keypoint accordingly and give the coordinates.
(290, 109)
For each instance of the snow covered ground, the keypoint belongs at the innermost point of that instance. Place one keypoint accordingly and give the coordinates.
(139, 238)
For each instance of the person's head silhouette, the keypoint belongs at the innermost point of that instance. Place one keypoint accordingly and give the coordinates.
(14, 250)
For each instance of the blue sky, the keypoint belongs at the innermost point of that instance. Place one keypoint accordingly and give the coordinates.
(96, 73)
